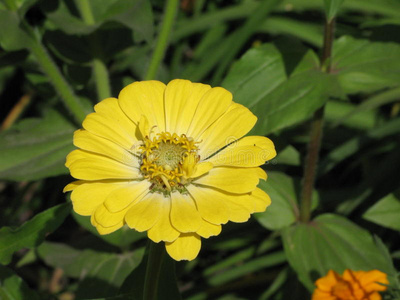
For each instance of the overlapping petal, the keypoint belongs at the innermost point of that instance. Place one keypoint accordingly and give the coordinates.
(144, 98)
(185, 247)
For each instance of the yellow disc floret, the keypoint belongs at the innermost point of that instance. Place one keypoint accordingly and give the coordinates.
(165, 158)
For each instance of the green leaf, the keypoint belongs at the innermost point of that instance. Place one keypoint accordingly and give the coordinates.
(135, 14)
(283, 209)
(385, 212)
(258, 81)
(332, 7)
(100, 273)
(288, 156)
(12, 287)
(364, 66)
(36, 148)
(330, 242)
(350, 115)
(12, 36)
(31, 233)
(120, 238)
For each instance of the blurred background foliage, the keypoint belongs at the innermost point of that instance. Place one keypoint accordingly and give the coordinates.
(59, 57)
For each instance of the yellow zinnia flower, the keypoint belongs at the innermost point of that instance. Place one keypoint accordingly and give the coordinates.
(169, 160)
(352, 285)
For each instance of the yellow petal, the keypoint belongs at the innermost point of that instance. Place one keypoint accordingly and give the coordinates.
(97, 167)
(209, 204)
(108, 219)
(87, 141)
(144, 127)
(233, 180)
(73, 185)
(211, 107)
(109, 129)
(181, 99)
(145, 213)
(163, 229)
(186, 247)
(261, 173)
(144, 98)
(176, 95)
(88, 196)
(207, 229)
(184, 215)
(105, 230)
(201, 169)
(233, 124)
(111, 109)
(240, 207)
(251, 151)
(120, 198)
(261, 200)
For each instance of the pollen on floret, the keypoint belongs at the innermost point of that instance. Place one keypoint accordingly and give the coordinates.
(165, 159)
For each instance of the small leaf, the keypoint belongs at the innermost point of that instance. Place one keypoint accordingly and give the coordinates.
(36, 148)
(12, 287)
(100, 273)
(283, 209)
(330, 242)
(331, 8)
(31, 233)
(364, 66)
(385, 212)
(12, 36)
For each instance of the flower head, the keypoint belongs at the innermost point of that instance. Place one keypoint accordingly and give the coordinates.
(352, 285)
(170, 160)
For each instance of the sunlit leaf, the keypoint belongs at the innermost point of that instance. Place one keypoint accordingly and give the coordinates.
(364, 66)
(259, 81)
(36, 148)
(31, 233)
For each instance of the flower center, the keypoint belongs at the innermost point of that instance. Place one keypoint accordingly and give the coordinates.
(165, 160)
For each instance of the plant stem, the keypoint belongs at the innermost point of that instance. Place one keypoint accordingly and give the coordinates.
(154, 262)
(162, 42)
(45, 61)
(316, 132)
(101, 76)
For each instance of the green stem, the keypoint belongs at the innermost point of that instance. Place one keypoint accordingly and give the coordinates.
(100, 71)
(314, 144)
(152, 277)
(162, 42)
(45, 61)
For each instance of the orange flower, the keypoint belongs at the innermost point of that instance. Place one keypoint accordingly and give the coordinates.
(352, 285)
